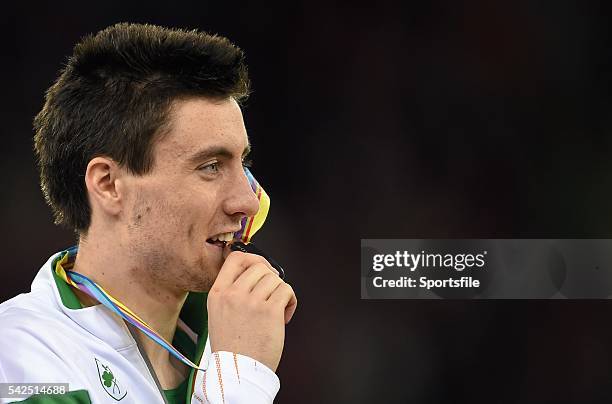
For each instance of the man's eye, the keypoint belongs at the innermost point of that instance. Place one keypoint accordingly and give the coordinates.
(210, 168)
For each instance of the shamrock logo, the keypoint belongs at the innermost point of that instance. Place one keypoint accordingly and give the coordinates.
(108, 378)
(109, 381)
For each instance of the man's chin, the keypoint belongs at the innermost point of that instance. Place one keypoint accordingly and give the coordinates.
(201, 285)
(205, 277)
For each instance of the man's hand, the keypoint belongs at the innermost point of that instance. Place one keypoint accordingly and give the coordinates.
(248, 307)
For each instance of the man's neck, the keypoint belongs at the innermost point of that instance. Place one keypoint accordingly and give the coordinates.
(159, 307)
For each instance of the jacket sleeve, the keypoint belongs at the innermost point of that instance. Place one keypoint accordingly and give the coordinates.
(232, 378)
(27, 360)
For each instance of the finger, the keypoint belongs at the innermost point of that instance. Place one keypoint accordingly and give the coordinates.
(227, 250)
(249, 278)
(235, 264)
(285, 296)
(266, 285)
(290, 310)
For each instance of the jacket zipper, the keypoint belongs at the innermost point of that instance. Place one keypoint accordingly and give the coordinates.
(144, 356)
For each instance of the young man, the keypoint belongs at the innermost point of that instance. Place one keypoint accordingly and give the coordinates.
(141, 146)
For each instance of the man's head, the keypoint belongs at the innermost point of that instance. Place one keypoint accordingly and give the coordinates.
(141, 138)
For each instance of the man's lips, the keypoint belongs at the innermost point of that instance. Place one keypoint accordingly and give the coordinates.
(222, 239)
(217, 243)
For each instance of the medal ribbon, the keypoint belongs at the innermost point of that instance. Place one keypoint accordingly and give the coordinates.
(250, 226)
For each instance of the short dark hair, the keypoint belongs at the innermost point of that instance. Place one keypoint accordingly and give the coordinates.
(113, 98)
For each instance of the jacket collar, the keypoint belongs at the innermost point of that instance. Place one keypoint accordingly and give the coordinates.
(96, 320)
(99, 320)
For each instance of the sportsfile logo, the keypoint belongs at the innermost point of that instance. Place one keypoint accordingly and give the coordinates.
(421, 268)
(412, 262)
(486, 268)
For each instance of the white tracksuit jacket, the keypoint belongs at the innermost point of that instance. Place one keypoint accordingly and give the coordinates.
(45, 337)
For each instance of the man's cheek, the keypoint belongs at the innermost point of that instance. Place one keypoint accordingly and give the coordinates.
(190, 231)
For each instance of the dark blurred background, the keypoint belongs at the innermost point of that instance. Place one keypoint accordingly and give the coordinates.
(430, 119)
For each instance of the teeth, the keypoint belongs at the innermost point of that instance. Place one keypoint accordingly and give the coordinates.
(223, 237)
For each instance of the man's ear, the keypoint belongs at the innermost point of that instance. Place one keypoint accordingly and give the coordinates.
(102, 179)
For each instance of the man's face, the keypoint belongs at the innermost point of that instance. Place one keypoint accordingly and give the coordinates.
(196, 191)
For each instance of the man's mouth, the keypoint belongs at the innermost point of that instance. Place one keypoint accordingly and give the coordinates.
(221, 240)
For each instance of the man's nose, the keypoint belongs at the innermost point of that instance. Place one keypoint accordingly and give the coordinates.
(241, 199)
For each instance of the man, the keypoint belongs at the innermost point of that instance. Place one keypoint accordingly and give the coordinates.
(141, 146)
